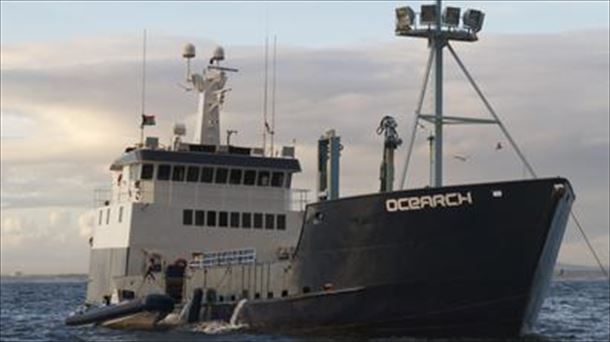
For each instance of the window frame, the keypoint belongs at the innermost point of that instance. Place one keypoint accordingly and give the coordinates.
(120, 219)
(234, 219)
(218, 177)
(258, 221)
(161, 176)
(187, 217)
(259, 178)
(178, 176)
(246, 179)
(281, 179)
(199, 218)
(232, 181)
(269, 221)
(203, 173)
(223, 219)
(249, 220)
(210, 218)
(144, 168)
(189, 174)
(281, 218)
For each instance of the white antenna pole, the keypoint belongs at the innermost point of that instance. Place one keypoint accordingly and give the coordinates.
(265, 125)
(273, 95)
(143, 99)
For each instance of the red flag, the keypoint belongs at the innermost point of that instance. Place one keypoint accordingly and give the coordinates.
(148, 120)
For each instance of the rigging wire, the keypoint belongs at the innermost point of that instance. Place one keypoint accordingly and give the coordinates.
(528, 166)
(589, 245)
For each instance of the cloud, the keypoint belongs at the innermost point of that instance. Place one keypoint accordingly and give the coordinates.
(42, 241)
(70, 108)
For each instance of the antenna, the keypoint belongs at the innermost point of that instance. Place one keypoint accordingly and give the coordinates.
(265, 124)
(143, 99)
(273, 94)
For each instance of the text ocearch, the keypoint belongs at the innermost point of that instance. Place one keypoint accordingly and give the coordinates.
(452, 199)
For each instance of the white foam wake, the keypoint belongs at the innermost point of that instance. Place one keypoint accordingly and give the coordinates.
(222, 327)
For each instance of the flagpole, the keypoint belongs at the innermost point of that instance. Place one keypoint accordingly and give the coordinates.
(143, 99)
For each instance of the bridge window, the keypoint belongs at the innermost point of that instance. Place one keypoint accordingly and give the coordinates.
(269, 221)
(234, 220)
(99, 220)
(263, 178)
(221, 175)
(120, 214)
(258, 221)
(178, 174)
(207, 174)
(235, 177)
(163, 172)
(147, 171)
(187, 217)
(211, 219)
(277, 180)
(281, 222)
(192, 174)
(246, 220)
(288, 180)
(249, 177)
(108, 216)
(199, 217)
(223, 219)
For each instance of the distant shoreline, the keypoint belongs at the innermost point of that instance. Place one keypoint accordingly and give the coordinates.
(558, 275)
(70, 276)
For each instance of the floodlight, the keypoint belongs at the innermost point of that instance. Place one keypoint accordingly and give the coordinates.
(405, 18)
(451, 16)
(428, 14)
(473, 19)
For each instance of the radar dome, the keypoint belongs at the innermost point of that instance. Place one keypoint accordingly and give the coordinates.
(179, 129)
(219, 54)
(189, 51)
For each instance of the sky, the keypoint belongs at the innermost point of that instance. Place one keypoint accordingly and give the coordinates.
(70, 98)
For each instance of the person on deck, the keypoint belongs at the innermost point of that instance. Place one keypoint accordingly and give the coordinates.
(151, 269)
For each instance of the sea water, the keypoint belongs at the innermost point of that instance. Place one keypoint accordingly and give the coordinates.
(35, 310)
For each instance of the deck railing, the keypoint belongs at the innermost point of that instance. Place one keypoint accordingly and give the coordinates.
(298, 198)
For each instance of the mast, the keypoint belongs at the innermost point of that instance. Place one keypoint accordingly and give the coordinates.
(265, 90)
(210, 84)
(437, 42)
(273, 78)
(438, 26)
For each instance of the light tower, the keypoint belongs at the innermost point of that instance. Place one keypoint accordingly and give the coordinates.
(438, 27)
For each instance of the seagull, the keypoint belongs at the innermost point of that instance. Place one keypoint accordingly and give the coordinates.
(461, 158)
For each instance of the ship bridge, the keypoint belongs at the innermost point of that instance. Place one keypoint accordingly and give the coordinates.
(194, 201)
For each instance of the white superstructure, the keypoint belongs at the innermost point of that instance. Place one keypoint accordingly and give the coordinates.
(191, 201)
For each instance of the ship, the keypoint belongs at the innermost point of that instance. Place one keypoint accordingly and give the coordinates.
(219, 230)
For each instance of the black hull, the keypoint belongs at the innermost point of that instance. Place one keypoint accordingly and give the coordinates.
(479, 269)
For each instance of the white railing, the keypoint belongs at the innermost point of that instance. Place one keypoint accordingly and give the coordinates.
(299, 198)
(225, 258)
(105, 196)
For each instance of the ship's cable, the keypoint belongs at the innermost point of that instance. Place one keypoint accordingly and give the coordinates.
(529, 167)
(591, 249)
